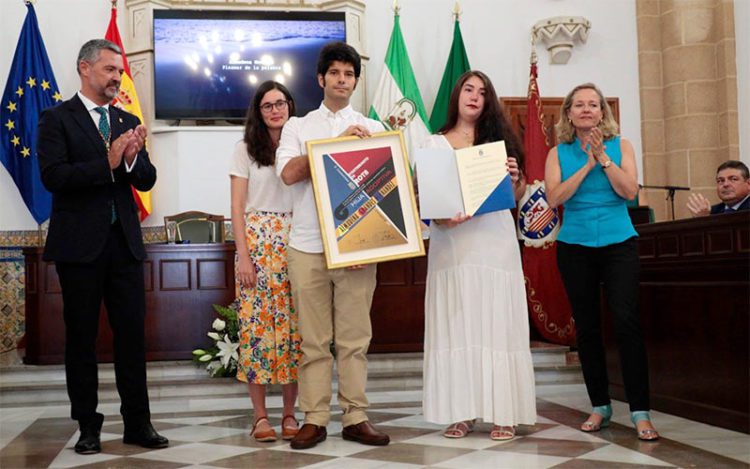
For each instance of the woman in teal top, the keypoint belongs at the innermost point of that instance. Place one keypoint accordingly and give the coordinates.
(593, 173)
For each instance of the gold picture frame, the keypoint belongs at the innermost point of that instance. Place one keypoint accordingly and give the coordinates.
(365, 199)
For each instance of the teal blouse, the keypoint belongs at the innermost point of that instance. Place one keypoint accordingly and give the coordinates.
(595, 215)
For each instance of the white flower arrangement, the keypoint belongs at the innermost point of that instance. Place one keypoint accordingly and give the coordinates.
(221, 359)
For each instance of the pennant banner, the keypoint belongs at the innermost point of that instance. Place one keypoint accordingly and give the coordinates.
(127, 100)
(457, 65)
(538, 224)
(30, 88)
(397, 102)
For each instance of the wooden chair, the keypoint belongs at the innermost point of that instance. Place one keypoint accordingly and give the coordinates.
(197, 227)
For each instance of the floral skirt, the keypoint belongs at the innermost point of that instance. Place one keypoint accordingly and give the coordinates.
(269, 351)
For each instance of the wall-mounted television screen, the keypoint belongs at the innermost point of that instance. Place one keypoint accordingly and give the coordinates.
(207, 64)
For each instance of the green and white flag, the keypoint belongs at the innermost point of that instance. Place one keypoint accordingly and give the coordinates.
(397, 103)
(458, 64)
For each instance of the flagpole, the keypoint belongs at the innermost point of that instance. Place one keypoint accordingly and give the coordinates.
(396, 9)
(39, 235)
(457, 12)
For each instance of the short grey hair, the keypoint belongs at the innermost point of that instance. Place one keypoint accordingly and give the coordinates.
(90, 51)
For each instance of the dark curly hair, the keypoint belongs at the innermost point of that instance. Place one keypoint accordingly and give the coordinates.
(339, 52)
(260, 147)
(491, 126)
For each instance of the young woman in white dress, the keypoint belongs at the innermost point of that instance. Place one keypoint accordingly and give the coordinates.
(477, 361)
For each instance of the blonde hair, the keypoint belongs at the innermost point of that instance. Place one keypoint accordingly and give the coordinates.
(564, 129)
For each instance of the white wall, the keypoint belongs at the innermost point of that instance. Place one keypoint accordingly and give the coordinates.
(496, 34)
(497, 38)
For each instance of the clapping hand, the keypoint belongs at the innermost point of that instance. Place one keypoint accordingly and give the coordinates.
(135, 142)
(698, 205)
(593, 145)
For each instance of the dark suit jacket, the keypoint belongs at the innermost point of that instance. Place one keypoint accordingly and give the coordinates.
(719, 208)
(75, 169)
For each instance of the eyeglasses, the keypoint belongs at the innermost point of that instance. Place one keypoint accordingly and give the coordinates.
(279, 105)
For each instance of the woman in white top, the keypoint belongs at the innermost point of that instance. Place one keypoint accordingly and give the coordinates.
(261, 214)
(477, 361)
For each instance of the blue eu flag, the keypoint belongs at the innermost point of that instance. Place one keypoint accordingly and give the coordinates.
(30, 88)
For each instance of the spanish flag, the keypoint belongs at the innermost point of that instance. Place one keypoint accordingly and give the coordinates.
(127, 100)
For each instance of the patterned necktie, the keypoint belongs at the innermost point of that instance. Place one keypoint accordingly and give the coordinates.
(104, 130)
(103, 123)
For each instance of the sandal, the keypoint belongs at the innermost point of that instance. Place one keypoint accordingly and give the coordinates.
(603, 411)
(646, 434)
(288, 432)
(265, 436)
(459, 429)
(502, 433)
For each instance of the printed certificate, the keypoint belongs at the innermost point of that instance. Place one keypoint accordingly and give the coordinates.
(471, 180)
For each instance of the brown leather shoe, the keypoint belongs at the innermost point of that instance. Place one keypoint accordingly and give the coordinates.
(308, 436)
(365, 433)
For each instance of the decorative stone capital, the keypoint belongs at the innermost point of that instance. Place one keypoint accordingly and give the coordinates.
(559, 34)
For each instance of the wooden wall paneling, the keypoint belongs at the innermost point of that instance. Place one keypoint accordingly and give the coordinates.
(743, 239)
(693, 244)
(720, 241)
(515, 110)
(178, 314)
(148, 275)
(397, 312)
(212, 274)
(175, 274)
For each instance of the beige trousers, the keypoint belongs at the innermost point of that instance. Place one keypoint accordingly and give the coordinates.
(332, 305)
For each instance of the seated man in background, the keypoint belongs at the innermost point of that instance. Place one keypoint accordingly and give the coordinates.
(732, 187)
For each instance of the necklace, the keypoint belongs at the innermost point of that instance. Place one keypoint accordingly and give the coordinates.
(104, 139)
(466, 135)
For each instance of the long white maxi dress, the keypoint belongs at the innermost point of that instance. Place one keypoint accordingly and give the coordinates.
(477, 361)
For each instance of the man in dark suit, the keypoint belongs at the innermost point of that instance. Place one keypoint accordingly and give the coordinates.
(732, 187)
(90, 153)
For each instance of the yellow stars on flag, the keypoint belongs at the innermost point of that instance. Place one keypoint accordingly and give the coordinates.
(16, 134)
(32, 82)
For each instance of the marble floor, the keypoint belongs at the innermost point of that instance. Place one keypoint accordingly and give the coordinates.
(213, 433)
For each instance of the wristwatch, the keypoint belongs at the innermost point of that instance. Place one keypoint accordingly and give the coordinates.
(606, 164)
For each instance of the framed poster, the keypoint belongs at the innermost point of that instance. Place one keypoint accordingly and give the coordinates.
(365, 199)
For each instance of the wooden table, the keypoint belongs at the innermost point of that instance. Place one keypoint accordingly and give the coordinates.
(695, 310)
(183, 281)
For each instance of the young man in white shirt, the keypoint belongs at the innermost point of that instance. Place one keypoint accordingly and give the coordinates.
(328, 300)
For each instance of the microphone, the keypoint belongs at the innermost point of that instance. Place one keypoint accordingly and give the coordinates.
(666, 188)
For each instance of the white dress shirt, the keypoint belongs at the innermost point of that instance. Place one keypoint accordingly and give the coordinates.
(318, 124)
